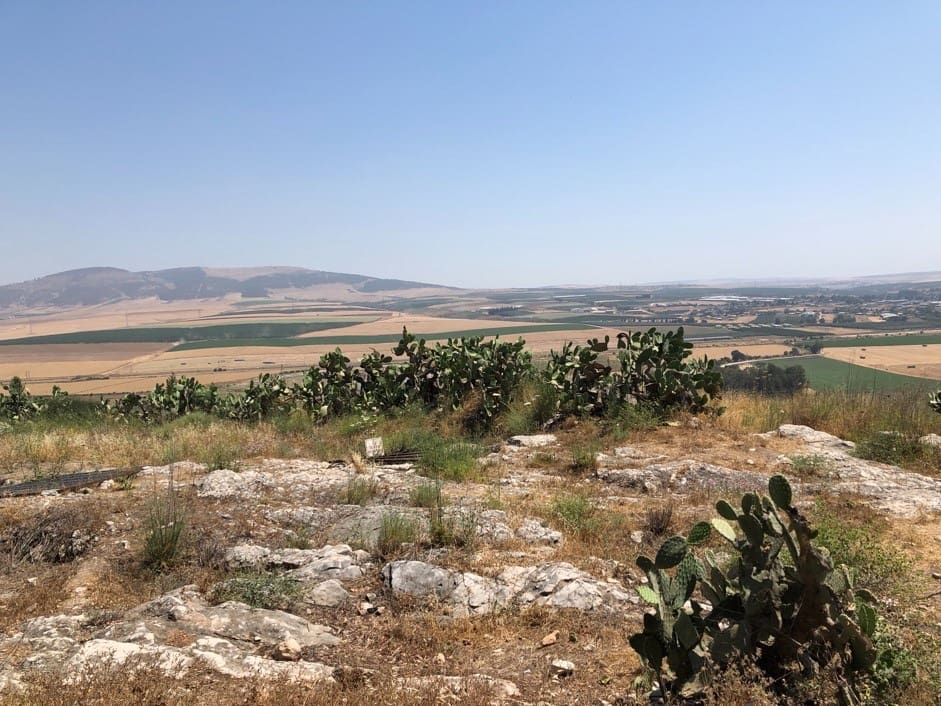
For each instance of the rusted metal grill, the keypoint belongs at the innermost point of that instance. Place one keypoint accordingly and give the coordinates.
(397, 457)
(68, 481)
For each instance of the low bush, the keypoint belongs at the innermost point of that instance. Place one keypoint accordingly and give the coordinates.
(658, 520)
(260, 590)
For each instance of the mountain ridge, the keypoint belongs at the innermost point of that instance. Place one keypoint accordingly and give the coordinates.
(97, 285)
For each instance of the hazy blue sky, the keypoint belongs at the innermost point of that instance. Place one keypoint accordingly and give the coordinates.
(478, 144)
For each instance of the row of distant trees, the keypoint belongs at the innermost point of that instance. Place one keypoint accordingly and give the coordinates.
(765, 379)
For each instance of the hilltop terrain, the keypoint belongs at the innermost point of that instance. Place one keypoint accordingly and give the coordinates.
(384, 582)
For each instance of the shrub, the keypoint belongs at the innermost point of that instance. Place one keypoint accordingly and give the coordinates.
(262, 590)
(17, 404)
(659, 519)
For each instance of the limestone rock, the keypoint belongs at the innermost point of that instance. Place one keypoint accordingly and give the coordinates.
(532, 441)
(327, 594)
(931, 439)
(333, 561)
(533, 531)
(557, 585)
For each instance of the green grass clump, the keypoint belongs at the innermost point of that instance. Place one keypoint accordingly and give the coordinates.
(261, 590)
(426, 495)
(899, 449)
(573, 511)
(164, 530)
(876, 565)
(395, 531)
(359, 491)
(806, 465)
(453, 530)
(440, 457)
(584, 458)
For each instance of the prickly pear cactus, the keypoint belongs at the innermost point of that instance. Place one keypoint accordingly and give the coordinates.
(778, 603)
(674, 631)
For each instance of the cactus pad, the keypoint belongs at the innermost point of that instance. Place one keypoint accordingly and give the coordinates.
(648, 595)
(699, 533)
(780, 491)
(726, 511)
(724, 528)
(671, 553)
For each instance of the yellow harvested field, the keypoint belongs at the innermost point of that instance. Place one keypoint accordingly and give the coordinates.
(918, 360)
(414, 322)
(44, 366)
(724, 350)
(141, 312)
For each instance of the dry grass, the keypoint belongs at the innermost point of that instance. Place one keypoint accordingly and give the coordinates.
(847, 414)
(145, 685)
(216, 443)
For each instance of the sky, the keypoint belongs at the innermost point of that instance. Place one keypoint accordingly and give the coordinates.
(478, 144)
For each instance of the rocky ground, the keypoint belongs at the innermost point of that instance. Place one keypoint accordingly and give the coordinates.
(515, 587)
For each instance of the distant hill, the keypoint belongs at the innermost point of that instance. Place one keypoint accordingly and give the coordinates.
(96, 285)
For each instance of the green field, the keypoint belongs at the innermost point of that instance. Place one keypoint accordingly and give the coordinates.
(375, 339)
(914, 339)
(222, 333)
(824, 374)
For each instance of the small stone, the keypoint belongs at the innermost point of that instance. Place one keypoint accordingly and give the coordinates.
(561, 668)
(107, 485)
(365, 608)
(931, 440)
(439, 658)
(287, 651)
(749, 461)
(637, 537)
(936, 575)
(32, 580)
(51, 493)
(550, 639)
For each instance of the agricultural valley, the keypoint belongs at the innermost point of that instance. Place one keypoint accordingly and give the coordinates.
(104, 331)
(286, 487)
